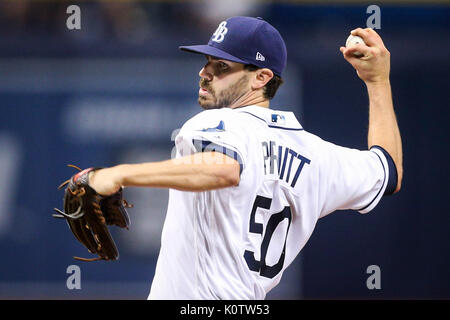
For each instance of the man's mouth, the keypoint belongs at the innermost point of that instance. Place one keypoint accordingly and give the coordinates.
(203, 91)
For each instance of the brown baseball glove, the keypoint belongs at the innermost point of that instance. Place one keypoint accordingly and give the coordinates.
(89, 214)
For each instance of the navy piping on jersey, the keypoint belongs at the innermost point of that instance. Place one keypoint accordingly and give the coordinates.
(206, 145)
(392, 179)
(384, 180)
(271, 126)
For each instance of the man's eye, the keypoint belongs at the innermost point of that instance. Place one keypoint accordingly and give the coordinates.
(223, 66)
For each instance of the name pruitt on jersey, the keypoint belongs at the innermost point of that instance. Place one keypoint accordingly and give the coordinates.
(289, 163)
(285, 162)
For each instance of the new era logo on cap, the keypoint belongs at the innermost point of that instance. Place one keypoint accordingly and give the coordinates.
(260, 57)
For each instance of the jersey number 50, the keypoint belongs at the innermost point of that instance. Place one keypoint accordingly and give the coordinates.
(274, 220)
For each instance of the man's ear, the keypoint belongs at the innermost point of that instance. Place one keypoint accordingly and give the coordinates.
(262, 76)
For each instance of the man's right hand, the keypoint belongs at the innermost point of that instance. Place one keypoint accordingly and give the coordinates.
(374, 66)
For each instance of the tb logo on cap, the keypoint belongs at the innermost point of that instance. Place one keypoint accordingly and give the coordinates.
(220, 33)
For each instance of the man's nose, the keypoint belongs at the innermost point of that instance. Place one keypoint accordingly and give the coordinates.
(205, 74)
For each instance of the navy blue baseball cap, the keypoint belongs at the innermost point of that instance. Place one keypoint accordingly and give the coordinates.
(246, 40)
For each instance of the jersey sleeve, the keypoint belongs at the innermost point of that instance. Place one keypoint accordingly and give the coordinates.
(212, 130)
(356, 179)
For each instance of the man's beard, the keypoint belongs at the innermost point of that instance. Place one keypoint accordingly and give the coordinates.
(225, 98)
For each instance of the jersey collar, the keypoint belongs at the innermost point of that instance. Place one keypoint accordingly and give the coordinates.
(273, 118)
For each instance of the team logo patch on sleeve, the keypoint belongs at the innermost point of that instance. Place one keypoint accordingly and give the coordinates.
(220, 128)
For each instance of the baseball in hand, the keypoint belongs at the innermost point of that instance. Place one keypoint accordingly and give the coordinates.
(354, 40)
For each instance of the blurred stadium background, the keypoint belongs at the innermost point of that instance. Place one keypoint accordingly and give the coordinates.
(116, 90)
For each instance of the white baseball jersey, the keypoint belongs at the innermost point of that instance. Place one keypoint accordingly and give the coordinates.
(235, 243)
